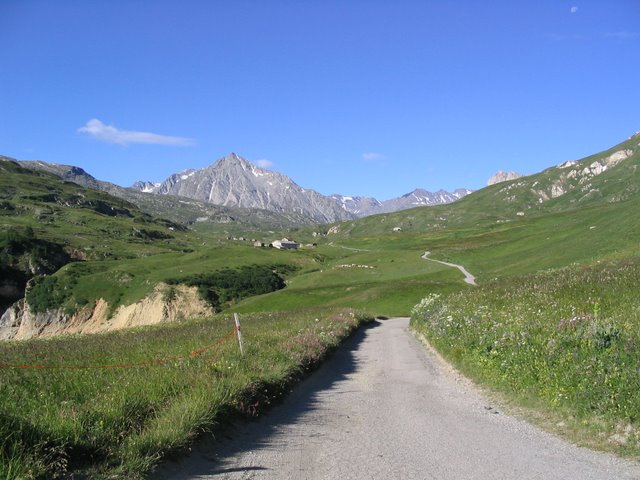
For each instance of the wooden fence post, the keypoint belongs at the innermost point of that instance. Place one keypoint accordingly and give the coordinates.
(237, 320)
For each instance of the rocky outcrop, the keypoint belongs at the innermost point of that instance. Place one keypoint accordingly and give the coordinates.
(164, 304)
(501, 176)
(597, 167)
(601, 166)
(579, 174)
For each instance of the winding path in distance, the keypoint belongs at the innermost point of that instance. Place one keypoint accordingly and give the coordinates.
(384, 407)
(468, 278)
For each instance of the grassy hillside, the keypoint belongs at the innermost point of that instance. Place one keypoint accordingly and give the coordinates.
(216, 219)
(483, 232)
(563, 342)
(509, 228)
(81, 244)
(556, 189)
(553, 325)
(556, 256)
(93, 223)
(47, 223)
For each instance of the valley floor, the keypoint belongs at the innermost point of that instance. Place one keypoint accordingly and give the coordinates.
(384, 407)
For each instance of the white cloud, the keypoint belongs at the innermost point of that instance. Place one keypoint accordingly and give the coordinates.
(622, 35)
(560, 37)
(110, 134)
(574, 9)
(372, 156)
(264, 163)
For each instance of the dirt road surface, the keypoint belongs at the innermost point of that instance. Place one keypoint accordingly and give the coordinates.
(468, 278)
(383, 407)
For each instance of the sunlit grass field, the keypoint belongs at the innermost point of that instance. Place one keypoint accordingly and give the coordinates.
(163, 387)
(564, 340)
(552, 324)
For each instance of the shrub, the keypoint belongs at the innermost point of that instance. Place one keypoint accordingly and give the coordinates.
(46, 294)
(231, 285)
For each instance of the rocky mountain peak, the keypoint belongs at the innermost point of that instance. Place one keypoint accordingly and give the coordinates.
(233, 181)
(145, 187)
(233, 164)
(231, 159)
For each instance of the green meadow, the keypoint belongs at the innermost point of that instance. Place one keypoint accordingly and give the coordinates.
(113, 404)
(563, 343)
(552, 325)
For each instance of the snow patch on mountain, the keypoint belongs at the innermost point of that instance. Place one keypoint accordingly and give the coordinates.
(365, 206)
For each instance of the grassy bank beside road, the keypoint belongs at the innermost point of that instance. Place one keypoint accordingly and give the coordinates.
(565, 340)
(169, 383)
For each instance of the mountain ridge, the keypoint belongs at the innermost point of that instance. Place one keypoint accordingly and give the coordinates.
(175, 208)
(157, 199)
(601, 179)
(233, 180)
(366, 206)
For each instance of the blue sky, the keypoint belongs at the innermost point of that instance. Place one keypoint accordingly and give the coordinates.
(355, 97)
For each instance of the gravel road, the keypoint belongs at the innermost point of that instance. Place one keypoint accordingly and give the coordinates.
(468, 278)
(383, 407)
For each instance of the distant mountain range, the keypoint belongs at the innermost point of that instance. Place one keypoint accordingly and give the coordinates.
(365, 206)
(234, 181)
(234, 189)
(178, 209)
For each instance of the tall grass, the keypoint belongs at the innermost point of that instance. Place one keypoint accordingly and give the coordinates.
(121, 421)
(568, 338)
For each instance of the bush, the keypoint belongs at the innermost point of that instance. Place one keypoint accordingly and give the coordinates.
(231, 285)
(16, 241)
(46, 294)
